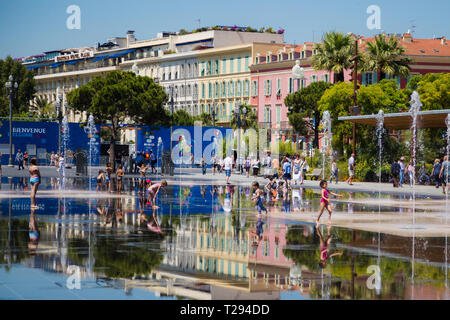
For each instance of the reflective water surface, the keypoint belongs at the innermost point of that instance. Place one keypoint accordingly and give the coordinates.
(206, 242)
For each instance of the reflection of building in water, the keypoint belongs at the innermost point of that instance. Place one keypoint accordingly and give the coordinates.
(220, 254)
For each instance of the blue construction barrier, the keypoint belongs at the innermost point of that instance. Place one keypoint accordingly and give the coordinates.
(40, 139)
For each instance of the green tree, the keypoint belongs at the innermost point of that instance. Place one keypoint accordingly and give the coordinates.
(206, 119)
(385, 56)
(182, 118)
(334, 54)
(120, 97)
(304, 104)
(44, 109)
(26, 86)
(434, 91)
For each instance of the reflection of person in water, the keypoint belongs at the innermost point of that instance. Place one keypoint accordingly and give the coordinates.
(227, 202)
(257, 234)
(324, 247)
(152, 222)
(258, 196)
(33, 233)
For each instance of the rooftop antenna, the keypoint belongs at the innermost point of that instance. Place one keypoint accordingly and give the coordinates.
(413, 26)
(198, 20)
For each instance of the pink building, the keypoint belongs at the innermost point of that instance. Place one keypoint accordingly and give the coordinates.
(272, 81)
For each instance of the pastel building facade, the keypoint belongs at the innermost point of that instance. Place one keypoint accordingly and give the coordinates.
(224, 78)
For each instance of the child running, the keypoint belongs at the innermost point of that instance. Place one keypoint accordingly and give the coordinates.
(100, 180)
(325, 201)
(153, 192)
(258, 195)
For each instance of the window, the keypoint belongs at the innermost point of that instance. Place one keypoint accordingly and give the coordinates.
(208, 68)
(369, 78)
(239, 64)
(291, 56)
(217, 91)
(278, 107)
(326, 77)
(267, 116)
(278, 86)
(231, 89)
(209, 90)
(254, 88)
(231, 65)
(246, 64)
(303, 83)
(239, 88)
(223, 89)
(303, 54)
(216, 67)
(268, 87)
(291, 85)
(246, 88)
(256, 60)
(203, 91)
(224, 65)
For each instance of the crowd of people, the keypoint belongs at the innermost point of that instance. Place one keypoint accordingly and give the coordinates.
(402, 173)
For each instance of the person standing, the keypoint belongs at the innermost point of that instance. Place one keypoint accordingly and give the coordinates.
(411, 172)
(402, 171)
(297, 171)
(119, 174)
(19, 159)
(268, 166)
(35, 180)
(444, 175)
(351, 169)
(228, 164)
(108, 172)
(303, 168)
(334, 171)
(247, 166)
(287, 172)
(213, 164)
(435, 172)
(203, 165)
(25, 158)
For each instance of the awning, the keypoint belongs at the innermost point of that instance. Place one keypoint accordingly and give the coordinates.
(34, 67)
(55, 65)
(99, 58)
(403, 120)
(121, 53)
(73, 61)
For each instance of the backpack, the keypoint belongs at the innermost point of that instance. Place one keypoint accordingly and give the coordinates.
(395, 168)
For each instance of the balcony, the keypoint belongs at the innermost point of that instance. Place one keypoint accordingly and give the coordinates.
(265, 125)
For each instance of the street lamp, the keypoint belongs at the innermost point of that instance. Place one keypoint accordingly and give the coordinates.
(213, 113)
(10, 88)
(354, 110)
(59, 113)
(237, 112)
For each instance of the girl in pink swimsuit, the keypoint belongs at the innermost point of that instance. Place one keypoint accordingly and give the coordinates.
(325, 202)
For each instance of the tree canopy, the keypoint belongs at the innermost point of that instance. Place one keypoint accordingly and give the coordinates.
(334, 54)
(304, 113)
(119, 97)
(26, 86)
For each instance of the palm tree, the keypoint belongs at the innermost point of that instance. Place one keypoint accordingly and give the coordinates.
(249, 121)
(43, 108)
(334, 54)
(385, 56)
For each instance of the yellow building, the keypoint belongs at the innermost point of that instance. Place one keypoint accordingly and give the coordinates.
(224, 77)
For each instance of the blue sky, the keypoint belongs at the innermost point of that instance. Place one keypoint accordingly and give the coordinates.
(31, 27)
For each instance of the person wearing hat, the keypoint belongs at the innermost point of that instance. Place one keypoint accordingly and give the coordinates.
(402, 171)
(435, 173)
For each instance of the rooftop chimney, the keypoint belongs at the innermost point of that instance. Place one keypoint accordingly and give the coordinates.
(443, 41)
(407, 37)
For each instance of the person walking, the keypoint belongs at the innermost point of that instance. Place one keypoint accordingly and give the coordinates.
(19, 159)
(334, 171)
(395, 171)
(287, 167)
(247, 166)
(435, 172)
(296, 169)
(228, 164)
(444, 175)
(402, 171)
(351, 169)
(267, 166)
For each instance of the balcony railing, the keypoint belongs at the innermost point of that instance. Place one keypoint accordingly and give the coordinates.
(265, 125)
